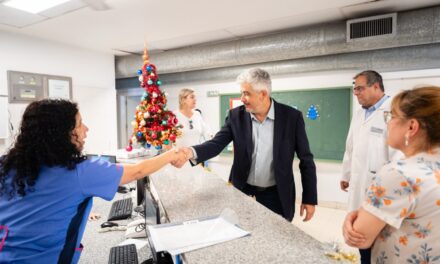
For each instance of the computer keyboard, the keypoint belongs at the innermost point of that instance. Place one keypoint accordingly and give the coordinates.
(121, 209)
(126, 254)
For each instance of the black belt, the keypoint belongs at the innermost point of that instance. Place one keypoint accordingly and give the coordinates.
(261, 189)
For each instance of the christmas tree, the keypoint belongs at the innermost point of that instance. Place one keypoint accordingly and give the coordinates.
(153, 124)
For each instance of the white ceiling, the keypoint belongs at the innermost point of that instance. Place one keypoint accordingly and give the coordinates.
(166, 24)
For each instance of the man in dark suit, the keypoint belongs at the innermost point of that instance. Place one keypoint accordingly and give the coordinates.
(266, 135)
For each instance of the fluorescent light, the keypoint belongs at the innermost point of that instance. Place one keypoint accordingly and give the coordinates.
(33, 6)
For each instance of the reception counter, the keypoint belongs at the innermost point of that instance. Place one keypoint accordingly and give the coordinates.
(192, 192)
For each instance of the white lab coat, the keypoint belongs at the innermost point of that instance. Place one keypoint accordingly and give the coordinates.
(200, 132)
(366, 151)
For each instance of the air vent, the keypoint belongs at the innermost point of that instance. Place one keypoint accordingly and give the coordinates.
(368, 27)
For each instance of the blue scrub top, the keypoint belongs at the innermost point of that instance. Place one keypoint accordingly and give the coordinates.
(38, 222)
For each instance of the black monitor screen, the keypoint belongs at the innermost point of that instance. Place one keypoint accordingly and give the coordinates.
(152, 215)
(108, 158)
(141, 185)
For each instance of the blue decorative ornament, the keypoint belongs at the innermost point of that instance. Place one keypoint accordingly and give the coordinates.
(312, 113)
(148, 68)
(147, 145)
(139, 134)
(166, 142)
(139, 72)
(158, 147)
(149, 82)
(159, 82)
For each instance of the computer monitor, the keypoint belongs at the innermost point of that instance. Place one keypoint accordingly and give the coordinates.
(151, 209)
(152, 216)
(109, 158)
(92, 157)
(141, 185)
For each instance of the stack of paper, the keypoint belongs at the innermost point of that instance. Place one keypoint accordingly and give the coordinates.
(177, 238)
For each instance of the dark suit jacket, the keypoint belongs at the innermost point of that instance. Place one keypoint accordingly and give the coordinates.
(289, 137)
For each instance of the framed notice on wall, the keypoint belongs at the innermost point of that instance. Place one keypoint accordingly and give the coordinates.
(58, 87)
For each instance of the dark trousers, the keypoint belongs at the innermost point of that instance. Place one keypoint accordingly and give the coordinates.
(365, 255)
(265, 196)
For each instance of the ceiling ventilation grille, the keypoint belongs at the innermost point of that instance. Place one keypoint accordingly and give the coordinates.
(367, 27)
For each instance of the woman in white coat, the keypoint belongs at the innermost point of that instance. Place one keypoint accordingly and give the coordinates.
(195, 130)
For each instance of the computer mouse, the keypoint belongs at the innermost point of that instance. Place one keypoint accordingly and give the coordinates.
(123, 189)
(108, 224)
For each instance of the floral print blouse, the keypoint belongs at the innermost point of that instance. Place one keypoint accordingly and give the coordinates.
(406, 195)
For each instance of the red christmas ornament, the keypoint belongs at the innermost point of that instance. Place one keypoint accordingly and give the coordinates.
(129, 148)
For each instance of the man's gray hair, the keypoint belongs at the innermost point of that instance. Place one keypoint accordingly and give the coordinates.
(372, 78)
(258, 78)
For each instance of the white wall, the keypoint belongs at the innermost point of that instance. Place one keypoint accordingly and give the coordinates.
(93, 78)
(328, 172)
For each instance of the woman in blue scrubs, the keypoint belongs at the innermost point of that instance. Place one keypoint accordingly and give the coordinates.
(47, 185)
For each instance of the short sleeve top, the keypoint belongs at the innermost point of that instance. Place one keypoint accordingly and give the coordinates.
(406, 195)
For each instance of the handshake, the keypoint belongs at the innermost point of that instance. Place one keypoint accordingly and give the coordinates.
(180, 156)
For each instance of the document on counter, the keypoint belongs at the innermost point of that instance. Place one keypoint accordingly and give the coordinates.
(177, 238)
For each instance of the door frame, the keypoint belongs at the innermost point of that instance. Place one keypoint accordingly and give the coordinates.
(121, 104)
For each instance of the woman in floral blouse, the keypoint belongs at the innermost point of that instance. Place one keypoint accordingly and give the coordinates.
(401, 214)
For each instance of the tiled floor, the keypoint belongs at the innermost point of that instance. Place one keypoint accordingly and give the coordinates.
(325, 226)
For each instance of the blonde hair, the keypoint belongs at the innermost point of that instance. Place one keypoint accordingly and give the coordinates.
(183, 94)
(423, 104)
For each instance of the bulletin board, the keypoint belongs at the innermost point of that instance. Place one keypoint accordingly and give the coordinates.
(26, 87)
(326, 112)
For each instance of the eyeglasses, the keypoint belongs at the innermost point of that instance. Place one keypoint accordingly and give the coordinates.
(387, 116)
(191, 124)
(359, 89)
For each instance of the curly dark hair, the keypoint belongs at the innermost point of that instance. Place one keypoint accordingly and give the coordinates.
(45, 139)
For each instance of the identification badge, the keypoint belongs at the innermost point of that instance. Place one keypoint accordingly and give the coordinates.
(376, 130)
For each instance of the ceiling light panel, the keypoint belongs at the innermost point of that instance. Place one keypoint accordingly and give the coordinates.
(33, 6)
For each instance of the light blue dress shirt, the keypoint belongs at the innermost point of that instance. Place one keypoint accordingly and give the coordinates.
(262, 173)
(370, 110)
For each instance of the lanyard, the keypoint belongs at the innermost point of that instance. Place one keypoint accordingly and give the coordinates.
(2, 243)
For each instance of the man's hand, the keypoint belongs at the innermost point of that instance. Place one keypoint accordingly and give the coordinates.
(351, 237)
(310, 211)
(185, 154)
(344, 185)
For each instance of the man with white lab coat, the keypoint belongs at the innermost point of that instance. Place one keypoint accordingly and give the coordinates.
(366, 149)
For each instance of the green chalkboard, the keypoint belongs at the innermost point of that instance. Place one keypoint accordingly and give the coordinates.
(327, 133)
